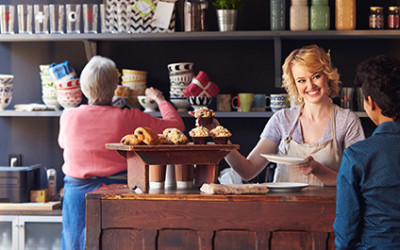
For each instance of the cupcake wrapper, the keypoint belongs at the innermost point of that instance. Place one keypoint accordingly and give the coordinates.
(221, 140)
(200, 140)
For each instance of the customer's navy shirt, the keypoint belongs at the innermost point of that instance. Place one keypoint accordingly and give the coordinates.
(368, 192)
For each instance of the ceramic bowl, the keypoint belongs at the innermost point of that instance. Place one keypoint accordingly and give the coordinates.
(6, 91)
(181, 104)
(6, 79)
(149, 106)
(69, 97)
(198, 102)
(181, 67)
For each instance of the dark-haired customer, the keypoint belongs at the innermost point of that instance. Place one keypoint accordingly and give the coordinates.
(368, 183)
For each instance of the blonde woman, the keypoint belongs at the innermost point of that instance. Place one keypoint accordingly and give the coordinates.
(316, 129)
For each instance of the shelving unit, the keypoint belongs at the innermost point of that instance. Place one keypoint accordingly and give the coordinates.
(268, 114)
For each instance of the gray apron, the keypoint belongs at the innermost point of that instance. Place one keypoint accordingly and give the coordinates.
(327, 153)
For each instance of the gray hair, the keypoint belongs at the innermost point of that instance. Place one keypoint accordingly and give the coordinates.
(99, 79)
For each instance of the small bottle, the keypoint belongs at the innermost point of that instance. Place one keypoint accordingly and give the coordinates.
(278, 14)
(319, 15)
(299, 15)
(376, 19)
(393, 21)
(345, 14)
(52, 183)
(194, 15)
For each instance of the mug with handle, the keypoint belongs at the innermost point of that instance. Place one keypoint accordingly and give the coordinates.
(277, 101)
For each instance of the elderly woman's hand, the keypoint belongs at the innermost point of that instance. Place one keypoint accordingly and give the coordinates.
(154, 94)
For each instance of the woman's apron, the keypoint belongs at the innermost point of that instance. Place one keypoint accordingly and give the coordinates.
(327, 153)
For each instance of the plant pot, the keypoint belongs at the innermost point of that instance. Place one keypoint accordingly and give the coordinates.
(227, 20)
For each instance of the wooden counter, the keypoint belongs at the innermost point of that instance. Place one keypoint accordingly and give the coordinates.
(119, 218)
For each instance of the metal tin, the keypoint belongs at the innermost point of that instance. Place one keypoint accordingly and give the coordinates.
(376, 18)
(393, 20)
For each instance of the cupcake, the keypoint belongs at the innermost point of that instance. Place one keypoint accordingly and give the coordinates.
(204, 116)
(220, 135)
(199, 135)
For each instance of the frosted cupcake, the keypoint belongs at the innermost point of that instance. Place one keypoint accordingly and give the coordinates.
(204, 116)
(199, 135)
(220, 135)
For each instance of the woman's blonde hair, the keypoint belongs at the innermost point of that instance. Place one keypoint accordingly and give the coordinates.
(314, 59)
(99, 79)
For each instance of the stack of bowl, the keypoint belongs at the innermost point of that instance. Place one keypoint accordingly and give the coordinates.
(69, 93)
(180, 76)
(49, 93)
(68, 89)
(136, 81)
(121, 95)
(6, 90)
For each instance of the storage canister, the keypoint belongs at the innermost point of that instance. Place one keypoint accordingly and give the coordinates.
(345, 14)
(299, 15)
(278, 14)
(194, 15)
(319, 15)
(376, 19)
(393, 21)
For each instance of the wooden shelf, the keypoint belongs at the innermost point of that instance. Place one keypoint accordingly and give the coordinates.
(204, 36)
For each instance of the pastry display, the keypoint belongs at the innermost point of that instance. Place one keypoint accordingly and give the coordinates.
(199, 135)
(147, 135)
(220, 135)
(204, 116)
(175, 136)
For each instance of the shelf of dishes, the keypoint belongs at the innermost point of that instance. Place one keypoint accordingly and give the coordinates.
(203, 35)
(267, 114)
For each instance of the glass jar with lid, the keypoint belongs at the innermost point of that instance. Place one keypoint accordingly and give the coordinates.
(376, 19)
(319, 15)
(393, 20)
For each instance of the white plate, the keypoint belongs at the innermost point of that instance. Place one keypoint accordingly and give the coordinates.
(285, 186)
(284, 159)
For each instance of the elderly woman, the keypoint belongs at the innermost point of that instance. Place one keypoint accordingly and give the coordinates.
(85, 130)
(316, 129)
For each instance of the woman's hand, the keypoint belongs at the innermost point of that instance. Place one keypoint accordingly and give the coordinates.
(154, 94)
(309, 167)
(210, 126)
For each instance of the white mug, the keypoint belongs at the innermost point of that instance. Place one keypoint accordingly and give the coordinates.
(277, 101)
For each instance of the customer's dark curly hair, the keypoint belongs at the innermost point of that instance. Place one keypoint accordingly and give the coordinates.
(379, 78)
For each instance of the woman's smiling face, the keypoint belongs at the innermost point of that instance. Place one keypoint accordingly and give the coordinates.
(312, 86)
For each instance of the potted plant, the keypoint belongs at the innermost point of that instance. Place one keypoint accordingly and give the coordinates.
(227, 13)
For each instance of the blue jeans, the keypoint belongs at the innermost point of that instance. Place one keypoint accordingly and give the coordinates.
(73, 236)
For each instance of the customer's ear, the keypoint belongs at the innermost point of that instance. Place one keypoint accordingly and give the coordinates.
(370, 103)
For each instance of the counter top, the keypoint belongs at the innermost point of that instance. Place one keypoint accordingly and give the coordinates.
(122, 192)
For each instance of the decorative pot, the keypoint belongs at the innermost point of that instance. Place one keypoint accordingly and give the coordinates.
(227, 20)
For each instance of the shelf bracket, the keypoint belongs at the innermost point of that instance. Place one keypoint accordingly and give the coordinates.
(278, 61)
(90, 48)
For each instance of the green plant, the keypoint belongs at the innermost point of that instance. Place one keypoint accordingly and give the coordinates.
(228, 4)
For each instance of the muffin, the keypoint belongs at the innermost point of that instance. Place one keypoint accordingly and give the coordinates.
(199, 135)
(220, 135)
(175, 136)
(204, 116)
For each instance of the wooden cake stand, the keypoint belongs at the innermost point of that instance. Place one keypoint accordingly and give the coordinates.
(206, 158)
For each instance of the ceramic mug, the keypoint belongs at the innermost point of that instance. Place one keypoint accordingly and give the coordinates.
(244, 102)
(224, 102)
(260, 103)
(277, 101)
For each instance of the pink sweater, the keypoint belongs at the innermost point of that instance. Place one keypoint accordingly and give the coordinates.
(85, 130)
